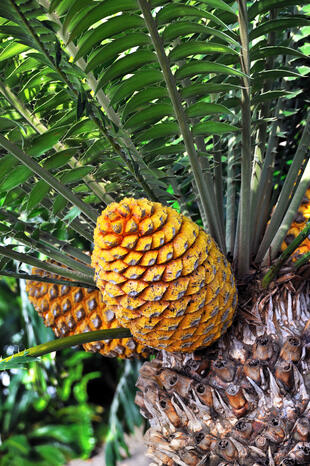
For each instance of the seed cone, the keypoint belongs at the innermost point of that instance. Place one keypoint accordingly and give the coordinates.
(244, 401)
(301, 219)
(163, 275)
(71, 310)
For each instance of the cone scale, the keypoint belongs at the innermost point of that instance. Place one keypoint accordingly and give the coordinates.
(72, 310)
(162, 275)
(246, 402)
(300, 221)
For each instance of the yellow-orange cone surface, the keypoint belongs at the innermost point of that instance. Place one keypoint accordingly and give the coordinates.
(70, 310)
(301, 219)
(164, 277)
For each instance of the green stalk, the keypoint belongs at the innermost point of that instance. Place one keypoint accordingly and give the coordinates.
(274, 270)
(208, 181)
(264, 188)
(284, 198)
(243, 258)
(127, 160)
(204, 190)
(304, 259)
(27, 259)
(290, 214)
(50, 179)
(38, 278)
(230, 197)
(218, 180)
(261, 134)
(67, 342)
(97, 188)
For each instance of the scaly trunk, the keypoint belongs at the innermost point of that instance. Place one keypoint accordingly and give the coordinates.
(244, 401)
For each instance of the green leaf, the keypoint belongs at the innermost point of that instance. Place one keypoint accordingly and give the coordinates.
(12, 49)
(16, 364)
(158, 131)
(59, 204)
(269, 95)
(59, 432)
(84, 126)
(38, 193)
(60, 159)
(81, 104)
(53, 101)
(6, 123)
(75, 174)
(138, 101)
(276, 24)
(166, 150)
(111, 50)
(263, 52)
(203, 108)
(125, 65)
(41, 77)
(75, 7)
(51, 454)
(204, 67)
(175, 11)
(135, 83)
(184, 28)
(107, 30)
(204, 89)
(28, 64)
(81, 22)
(273, 74)
(219, 5)
(54, 4)
(46, 141)
(149, 115)
(72, 214)
(58, 51)
(213, 127)
(267, 5)
(198, 48)
(16, 178)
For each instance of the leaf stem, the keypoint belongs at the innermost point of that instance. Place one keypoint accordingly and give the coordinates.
(290, 214)
(304, 259)
(272, 273)
(230, 197)
(104, 102)
(281, 207)
(54, 254)
(50, 179)
(63, 272)
(38, 278)
(45, 237)
(67, 342)
(243, 259)
(264, 188)
(203, 189)
(97, 188)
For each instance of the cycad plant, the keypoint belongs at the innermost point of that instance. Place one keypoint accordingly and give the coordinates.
(187, 104)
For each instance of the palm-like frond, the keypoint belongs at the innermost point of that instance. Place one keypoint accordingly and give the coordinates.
(146, 99)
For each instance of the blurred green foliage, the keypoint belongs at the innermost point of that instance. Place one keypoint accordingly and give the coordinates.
(58, 408)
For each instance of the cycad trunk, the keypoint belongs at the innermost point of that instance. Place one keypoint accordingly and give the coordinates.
(244, 401)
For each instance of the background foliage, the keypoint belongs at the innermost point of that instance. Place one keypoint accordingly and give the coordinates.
(58, 408)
